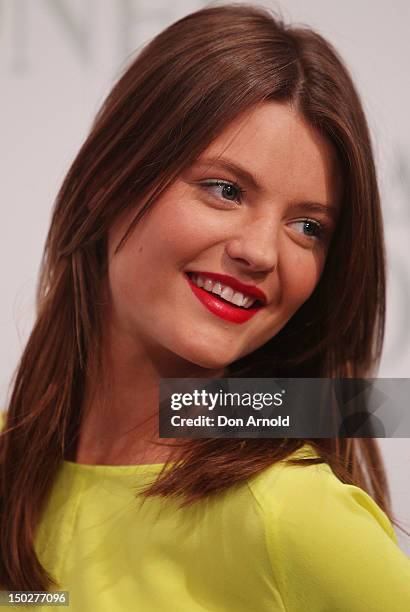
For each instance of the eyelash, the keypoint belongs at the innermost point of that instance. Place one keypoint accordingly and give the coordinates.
(320, 227)
(220, 183)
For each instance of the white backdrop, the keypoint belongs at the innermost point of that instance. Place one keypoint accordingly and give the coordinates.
(59, 58)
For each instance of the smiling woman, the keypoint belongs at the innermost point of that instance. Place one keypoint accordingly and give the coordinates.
(256, 242)
(222, 219)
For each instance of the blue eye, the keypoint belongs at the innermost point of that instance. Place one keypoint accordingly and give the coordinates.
(311, 228)
(231, 191)
(227, 189)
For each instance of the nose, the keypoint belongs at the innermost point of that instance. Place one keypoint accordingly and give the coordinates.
(255, 246)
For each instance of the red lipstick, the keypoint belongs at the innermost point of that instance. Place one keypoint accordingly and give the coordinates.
(222, 308)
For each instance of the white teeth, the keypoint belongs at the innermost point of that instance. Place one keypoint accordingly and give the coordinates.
(227, 293)
(238, 298)
(208, 284)
(248, 301)
(217, 289)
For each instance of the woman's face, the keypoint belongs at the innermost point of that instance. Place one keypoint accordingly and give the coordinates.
(258, 207)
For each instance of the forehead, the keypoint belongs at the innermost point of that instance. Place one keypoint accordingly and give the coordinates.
(287, 157)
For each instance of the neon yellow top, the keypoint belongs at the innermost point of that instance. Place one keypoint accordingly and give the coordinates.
(292, 539)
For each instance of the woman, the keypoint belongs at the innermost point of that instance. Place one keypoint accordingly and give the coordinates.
(232, 156)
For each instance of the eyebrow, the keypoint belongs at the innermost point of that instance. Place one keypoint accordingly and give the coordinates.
(247, 177)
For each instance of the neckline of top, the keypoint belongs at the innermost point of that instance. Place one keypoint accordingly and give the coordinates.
(93, 468)
(110, 469)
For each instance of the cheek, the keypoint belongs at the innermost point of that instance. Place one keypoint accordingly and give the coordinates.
(300, 276)
(175, 229)
(159, 247)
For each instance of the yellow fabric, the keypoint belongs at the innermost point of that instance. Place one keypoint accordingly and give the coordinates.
(291, 539)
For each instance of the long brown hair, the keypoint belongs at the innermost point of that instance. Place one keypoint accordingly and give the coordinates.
(181, 91)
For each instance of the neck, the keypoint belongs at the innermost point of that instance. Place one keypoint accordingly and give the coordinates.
(120, 405)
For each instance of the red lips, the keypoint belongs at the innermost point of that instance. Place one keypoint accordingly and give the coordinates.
(235, 284)
(222, 308)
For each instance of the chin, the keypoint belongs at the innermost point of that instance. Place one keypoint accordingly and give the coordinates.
(210, 362)
(208, 359)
